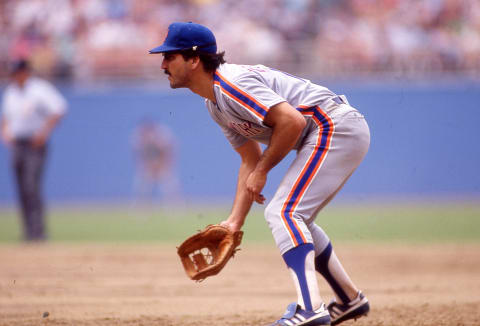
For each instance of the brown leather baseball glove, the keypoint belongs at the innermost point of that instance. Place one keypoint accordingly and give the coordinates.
(206, 253)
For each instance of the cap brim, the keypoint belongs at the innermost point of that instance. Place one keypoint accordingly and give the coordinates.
(163, 48)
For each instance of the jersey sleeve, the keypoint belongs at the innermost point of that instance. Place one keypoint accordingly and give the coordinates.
(249, 97)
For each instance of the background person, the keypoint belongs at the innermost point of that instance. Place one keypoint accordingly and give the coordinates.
(31, 109)
(154, 149)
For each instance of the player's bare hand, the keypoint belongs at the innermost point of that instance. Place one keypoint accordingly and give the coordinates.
(255, 183)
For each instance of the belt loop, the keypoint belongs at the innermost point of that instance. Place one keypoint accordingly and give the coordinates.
(337, 99)
(344, 99)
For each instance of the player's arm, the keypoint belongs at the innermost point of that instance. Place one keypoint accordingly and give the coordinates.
(287, 124)
(250, 154)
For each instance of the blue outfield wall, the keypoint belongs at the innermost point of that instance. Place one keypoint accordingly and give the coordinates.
(425, 142)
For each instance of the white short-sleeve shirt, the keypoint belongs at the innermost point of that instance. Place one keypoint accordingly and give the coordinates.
(26, 110)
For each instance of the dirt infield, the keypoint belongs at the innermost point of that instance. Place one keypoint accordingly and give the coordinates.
(141, 285)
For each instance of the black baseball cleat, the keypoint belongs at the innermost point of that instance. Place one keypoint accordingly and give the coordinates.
(355, 309)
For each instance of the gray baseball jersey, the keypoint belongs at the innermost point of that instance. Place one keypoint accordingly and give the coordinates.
(331, 146)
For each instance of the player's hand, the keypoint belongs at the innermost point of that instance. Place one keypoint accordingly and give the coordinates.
(255, 183)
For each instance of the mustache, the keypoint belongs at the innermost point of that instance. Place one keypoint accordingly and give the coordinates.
(166, 72)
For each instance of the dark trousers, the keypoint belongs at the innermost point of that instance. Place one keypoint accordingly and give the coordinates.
(28, 165)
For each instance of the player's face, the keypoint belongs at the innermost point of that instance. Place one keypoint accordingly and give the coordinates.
(177, 70)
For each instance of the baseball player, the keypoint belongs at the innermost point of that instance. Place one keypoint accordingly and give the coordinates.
(258, 104)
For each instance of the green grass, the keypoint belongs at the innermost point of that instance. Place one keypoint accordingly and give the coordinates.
(402, 222)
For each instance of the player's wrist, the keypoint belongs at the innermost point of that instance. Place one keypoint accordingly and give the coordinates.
(261, 169)
(234, 223)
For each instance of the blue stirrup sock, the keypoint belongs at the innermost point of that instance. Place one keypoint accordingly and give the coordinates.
(304, 275)
(321, 265)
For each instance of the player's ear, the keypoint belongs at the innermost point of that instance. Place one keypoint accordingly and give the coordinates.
(195, 62)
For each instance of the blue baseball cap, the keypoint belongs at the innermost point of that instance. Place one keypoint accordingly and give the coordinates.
(185, 36)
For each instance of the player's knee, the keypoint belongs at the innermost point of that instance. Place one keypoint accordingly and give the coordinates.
(272, 215)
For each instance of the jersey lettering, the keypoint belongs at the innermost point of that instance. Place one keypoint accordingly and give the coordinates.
(245, 128)
(254, 68)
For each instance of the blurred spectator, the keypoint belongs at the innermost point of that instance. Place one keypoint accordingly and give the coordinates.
(90, 39)
(154, 149)
(31, 109)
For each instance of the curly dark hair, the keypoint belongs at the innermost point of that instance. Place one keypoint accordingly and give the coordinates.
(210, 61)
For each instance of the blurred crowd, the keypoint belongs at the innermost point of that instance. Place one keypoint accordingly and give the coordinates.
(95, 39)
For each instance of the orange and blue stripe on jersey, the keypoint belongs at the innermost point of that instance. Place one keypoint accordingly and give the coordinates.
(310, 169)
(240, 96)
